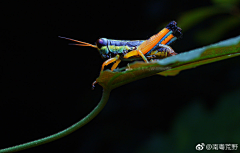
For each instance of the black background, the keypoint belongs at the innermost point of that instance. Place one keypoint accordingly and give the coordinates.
(47, 84)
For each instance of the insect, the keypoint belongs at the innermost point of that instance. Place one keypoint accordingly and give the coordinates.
(119, 50)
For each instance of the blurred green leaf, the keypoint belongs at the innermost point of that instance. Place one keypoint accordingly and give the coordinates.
(216, 31)
(171, 65)
(226, 2)
(214, 128)
(195, 125)
(190, 18)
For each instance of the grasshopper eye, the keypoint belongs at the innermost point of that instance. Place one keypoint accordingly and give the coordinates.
(101, 42)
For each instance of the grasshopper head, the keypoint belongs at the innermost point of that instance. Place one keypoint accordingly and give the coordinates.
(101, 42)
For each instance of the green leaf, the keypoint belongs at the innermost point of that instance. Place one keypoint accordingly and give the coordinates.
(172, 65)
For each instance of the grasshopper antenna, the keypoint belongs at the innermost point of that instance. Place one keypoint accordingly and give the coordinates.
(81, 43)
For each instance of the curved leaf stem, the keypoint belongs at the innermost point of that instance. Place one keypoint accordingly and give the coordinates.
(74, 127)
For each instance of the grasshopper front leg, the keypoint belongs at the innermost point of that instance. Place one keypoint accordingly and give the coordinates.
(111, 60)
(115, 64)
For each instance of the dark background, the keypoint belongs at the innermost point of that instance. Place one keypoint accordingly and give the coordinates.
(46, 84)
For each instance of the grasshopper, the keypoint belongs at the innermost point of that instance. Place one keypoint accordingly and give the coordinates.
(155, 47)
